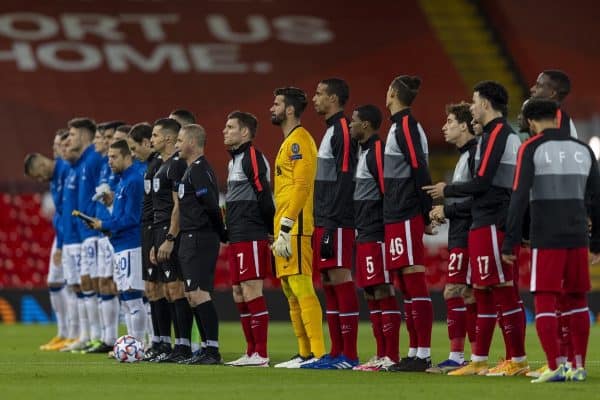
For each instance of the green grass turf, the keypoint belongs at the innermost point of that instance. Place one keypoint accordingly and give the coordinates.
(27, 373)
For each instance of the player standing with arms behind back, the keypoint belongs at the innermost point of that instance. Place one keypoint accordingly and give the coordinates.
(333, 239)
(406, 216)
(295, 168)
(557, 176)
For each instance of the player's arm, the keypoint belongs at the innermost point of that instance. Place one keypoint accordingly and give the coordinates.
(255, 169)
(345, 163)
(304, 166)
(593, 193)
(375, 165)
(486, 172)
(130, 213)
(409, 140)
(204, 184)
(519, 200)
(458, 210)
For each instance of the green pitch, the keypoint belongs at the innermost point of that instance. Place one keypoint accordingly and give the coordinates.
(27, 373)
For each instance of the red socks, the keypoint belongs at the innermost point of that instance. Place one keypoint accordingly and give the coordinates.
(390, 321)
(245, 319)
(564, 332)
(259, 324)
(546, 325)
(422, 309)
(580, 327)
(375, 317)
(471, 321)
(512, 319)
(486, 321)
(333, 320)
(347, 301)
(456, 319)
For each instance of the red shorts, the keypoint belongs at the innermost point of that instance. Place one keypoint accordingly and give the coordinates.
(558, 270)
(249, 260)
(487, 268)
(404, 243)
(343, 243)
(370, 264)
(459, 268)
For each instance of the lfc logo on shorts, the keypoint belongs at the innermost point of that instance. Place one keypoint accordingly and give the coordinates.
(147, 186)
(180, 190)
(155, 184)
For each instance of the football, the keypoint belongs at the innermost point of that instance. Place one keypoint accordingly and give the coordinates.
(128, 349)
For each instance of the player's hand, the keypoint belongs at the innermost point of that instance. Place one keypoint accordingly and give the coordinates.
(95, 224)
(437, 214)
(108, 198)
(509, 259)
(525, 243)
(327, 244)
(57, 258)
(271, 239)
(430, 229)
(164, 251)
(282, 247)
(435, 191)
(152, 256)
(594, 258)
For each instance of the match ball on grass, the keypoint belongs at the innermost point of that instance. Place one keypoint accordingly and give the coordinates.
(128, 349)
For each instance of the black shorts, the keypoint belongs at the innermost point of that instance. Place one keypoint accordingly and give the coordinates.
(169, 270)
(198, 254)
(149, 270)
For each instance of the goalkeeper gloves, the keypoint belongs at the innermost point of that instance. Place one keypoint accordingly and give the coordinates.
(282, 247)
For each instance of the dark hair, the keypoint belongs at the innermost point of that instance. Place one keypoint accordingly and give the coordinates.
(294, 97)
(140, 131)
(406, 88)
(338, 87)
(84, 123)
(111, 124)
(560, 82)
(185, 115)
(371, 114)
(29, 161)
(495, 93)
(122, 146)
(62, 133)
(123, 128)
(540, 109)
(246, 120)
(462, 112)
(168, 124)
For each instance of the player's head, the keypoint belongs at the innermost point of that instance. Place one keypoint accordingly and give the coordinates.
(522, 122)
(240, 128)
(490, 99)
(139, 140)
(458, 129)
(109, 131)
(289, 103)
(57, 146)
(331, 95)
(183, 116)
(100, 145)
(119, 156)
(81, 134)
(366, 120)
(477, 127)
(121, 133)
(39, 167)
(540, 114)
(191, 141)
(164, 133)
(551, 84)
(402, 91)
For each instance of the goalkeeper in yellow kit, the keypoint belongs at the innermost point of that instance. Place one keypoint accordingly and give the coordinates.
(295, 169)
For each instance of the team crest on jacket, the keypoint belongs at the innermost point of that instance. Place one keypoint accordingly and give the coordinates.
(155, 184)
(147, 186)
(180, 190)
(295, 148)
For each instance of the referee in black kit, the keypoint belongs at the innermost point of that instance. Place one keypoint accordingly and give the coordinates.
(201, 230)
